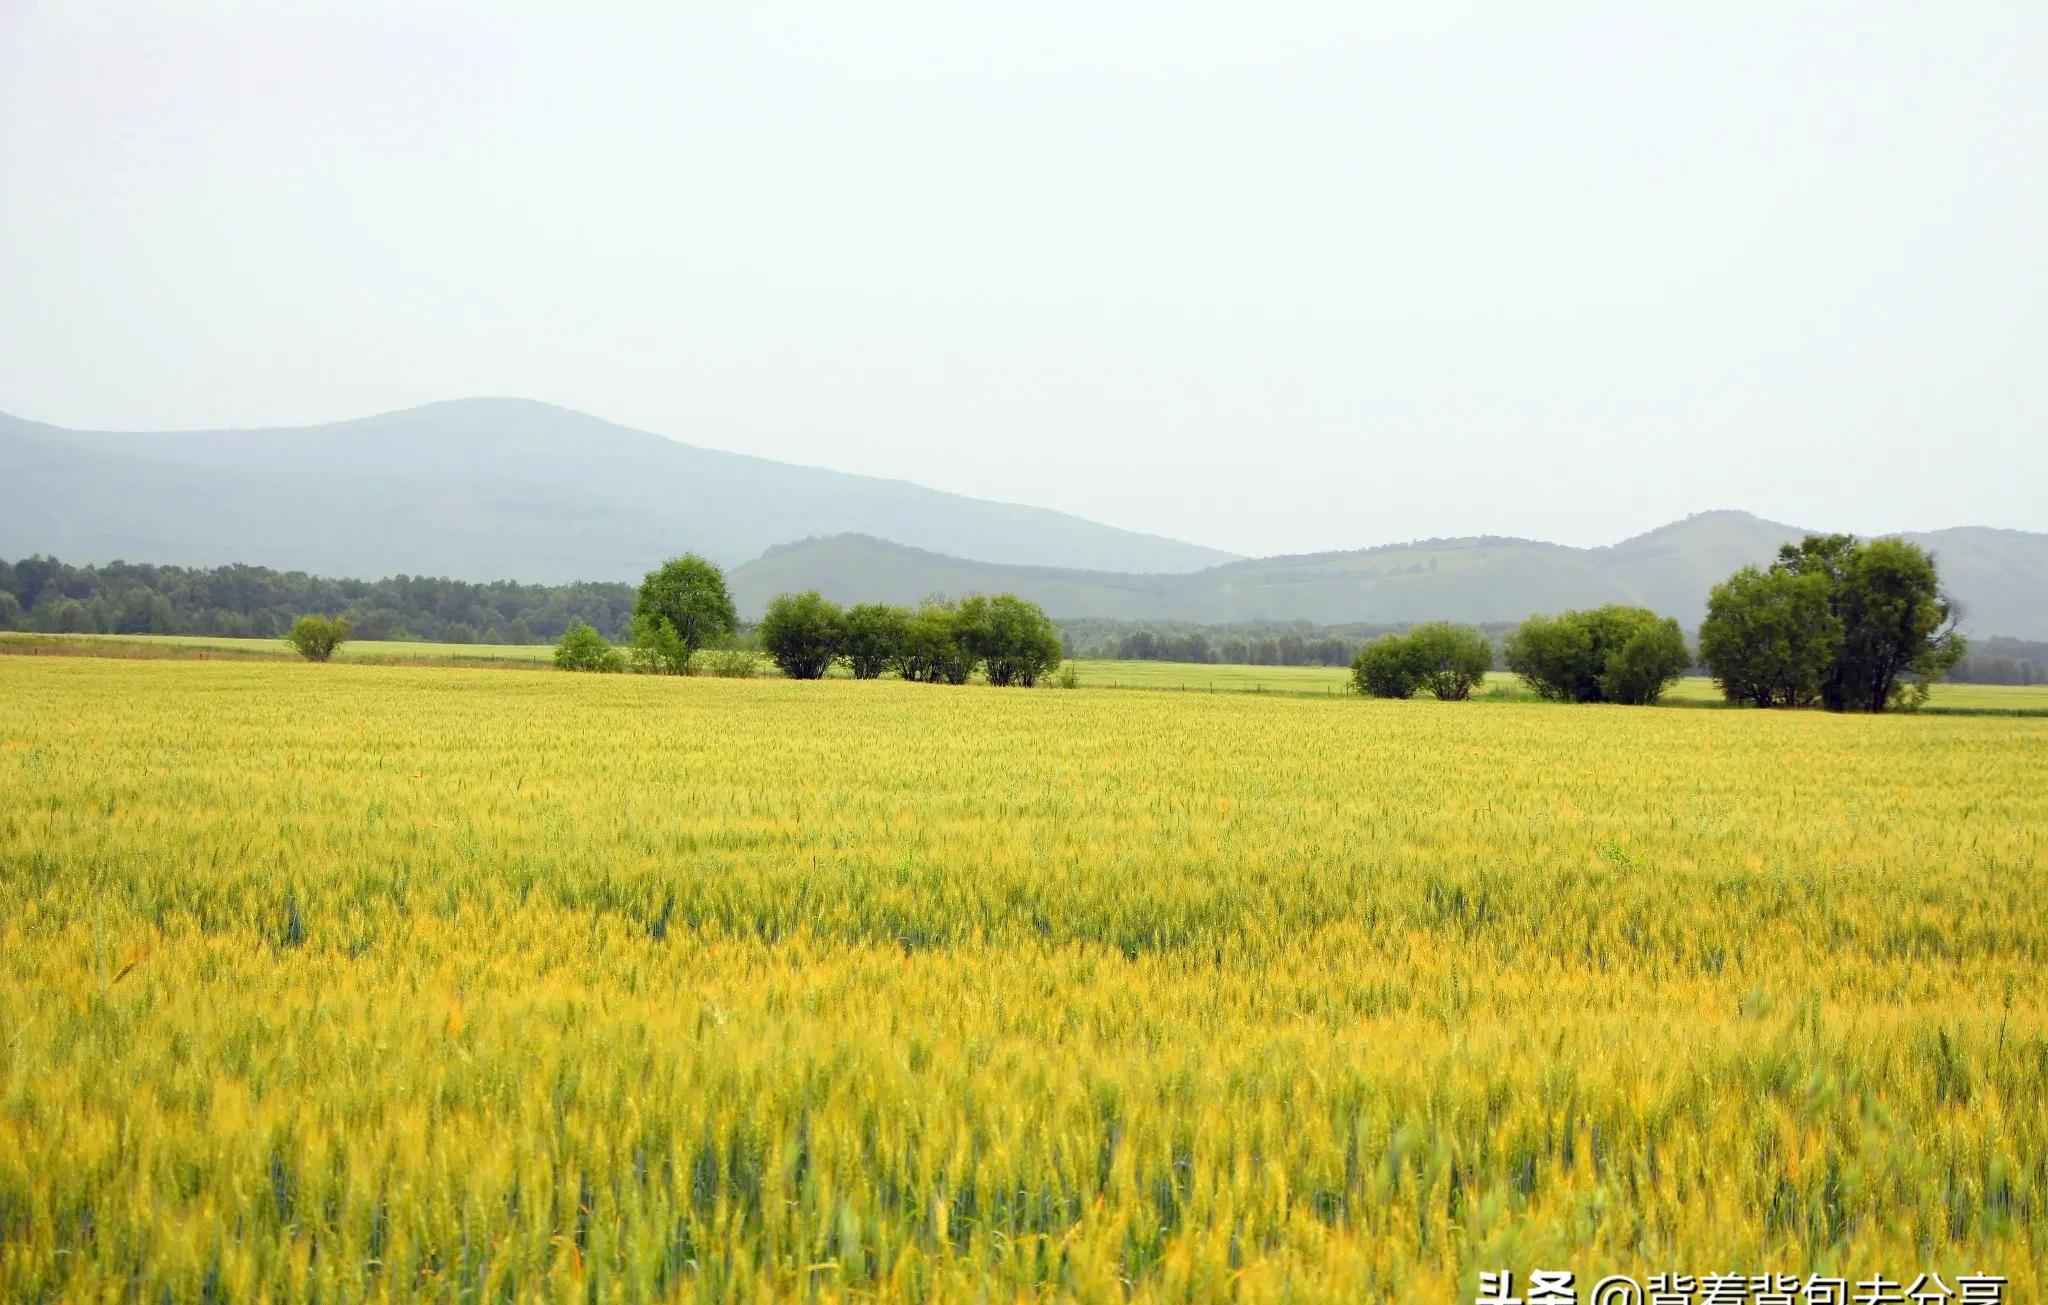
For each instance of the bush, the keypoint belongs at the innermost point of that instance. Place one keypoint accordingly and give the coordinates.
(732, 663)
(316, 637)
(802, 634)
(657, 648)
(584, 649)
(1012, 638)
(873, 638)
(1385, 668)
(1608, 654)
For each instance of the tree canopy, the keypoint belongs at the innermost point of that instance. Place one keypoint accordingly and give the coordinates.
(682, 606)
(803, 634)
(1853, 625)
(1614, 653)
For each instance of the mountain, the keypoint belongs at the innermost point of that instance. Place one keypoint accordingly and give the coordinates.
(2001, 576)
(483, 489)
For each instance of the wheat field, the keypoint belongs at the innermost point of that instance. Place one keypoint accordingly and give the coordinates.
(352, 982)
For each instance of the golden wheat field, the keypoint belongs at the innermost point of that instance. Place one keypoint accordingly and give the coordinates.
(346, 982)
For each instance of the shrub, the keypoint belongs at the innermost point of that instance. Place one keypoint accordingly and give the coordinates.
(1385, 668)
(732, 663)
(316, 637)
(873, 638)
(584, 649)
(802, 634)
(657, 648)
(1607, 654)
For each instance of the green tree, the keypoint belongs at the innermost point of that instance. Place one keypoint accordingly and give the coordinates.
(1898, 628)
(1012, 638)
(932, 651)
(1650, 660)
(682, 606)
(584, 649)
(1876, 610)
(1449, 660)
(10, 611)
(803, 634)
(1771, 637)
(316, 637)
(874, 638)
(1605, 654)
(1386, 668)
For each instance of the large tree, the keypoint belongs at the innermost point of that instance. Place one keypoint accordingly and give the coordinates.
(1859, 626)
(1770, 637)
(683, 606)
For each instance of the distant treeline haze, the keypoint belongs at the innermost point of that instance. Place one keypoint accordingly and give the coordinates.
(44, 594)
(41, 593)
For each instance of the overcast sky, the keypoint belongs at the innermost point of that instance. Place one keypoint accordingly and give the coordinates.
(1268, 277)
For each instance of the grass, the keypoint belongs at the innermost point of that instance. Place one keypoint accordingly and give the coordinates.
(1329, 681)
(362, 982)
(1188, 677)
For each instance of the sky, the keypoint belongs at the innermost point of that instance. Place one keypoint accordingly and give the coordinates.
(1273, 278)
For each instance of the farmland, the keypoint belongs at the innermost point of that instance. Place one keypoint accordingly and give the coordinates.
(359, 981)
(1183, 677)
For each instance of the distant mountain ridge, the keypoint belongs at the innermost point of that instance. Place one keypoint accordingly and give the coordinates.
(487, 489)
(2001, 577)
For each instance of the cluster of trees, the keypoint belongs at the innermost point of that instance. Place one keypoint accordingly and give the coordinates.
(1614, 653)
(1291, 648)
(2003, 661)
(681, 608)
(1847, 624)
(684, 607)
(1608, 654)
(1447, 660)
(42, 593)
(1837, 622)
(1250, 643)
(1010, 640)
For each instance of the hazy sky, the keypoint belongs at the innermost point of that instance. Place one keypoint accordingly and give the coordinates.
(1269, 277)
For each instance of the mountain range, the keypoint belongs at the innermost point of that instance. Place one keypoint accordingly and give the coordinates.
(2000, 576)
(489, 489)
(483, 489)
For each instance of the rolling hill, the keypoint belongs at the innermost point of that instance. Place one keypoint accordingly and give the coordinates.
(485, 489)
(2000, 575)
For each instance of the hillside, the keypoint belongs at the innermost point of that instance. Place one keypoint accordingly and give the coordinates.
(2000, 575)
(484, 489)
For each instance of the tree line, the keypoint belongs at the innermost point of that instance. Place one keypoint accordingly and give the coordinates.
(684, 606)
(1835, 622)
(44, 594)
